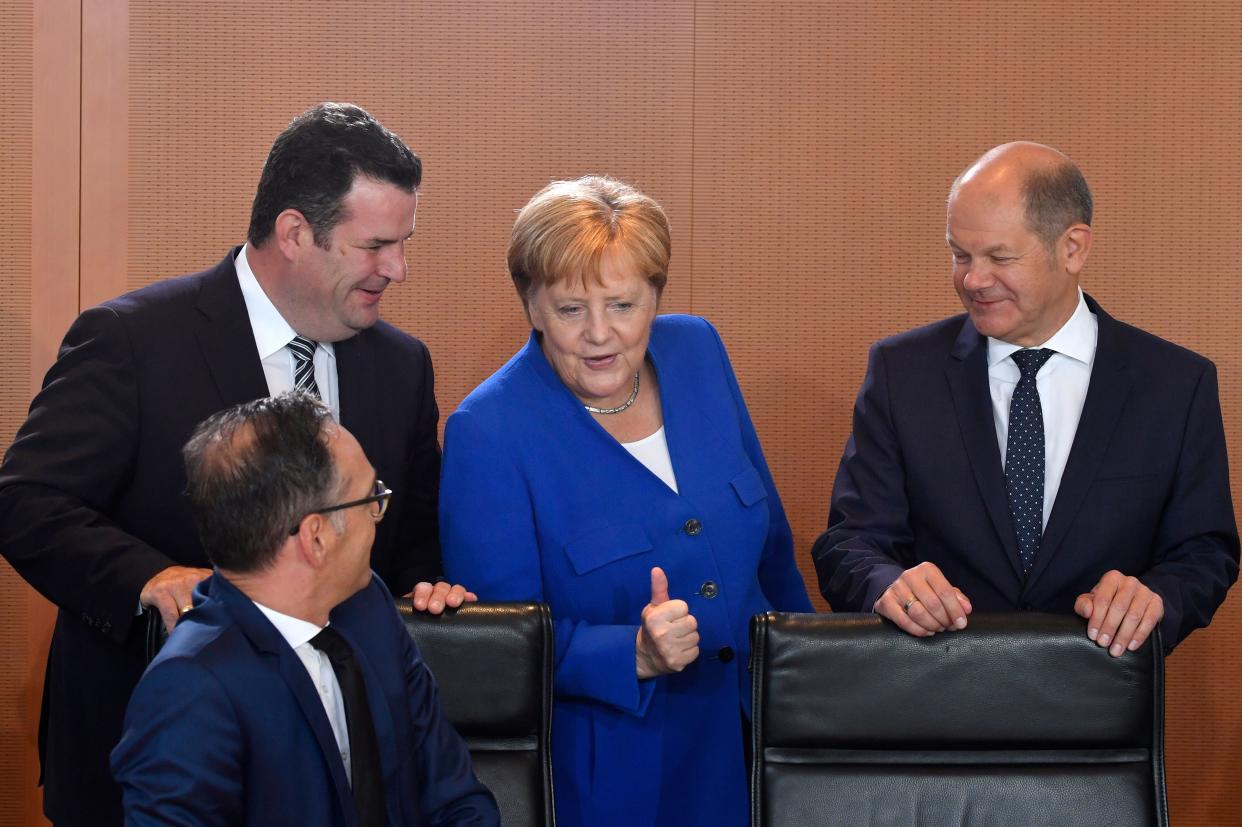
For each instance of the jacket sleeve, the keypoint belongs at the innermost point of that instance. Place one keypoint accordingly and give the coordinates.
(866, 546)
(779, 577)
(179, 761)
(1196, 542)
(490, 544)
(65, 469)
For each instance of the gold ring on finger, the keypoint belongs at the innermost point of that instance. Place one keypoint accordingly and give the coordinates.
(905, 607)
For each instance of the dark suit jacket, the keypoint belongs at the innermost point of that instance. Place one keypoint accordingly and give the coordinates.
(226, 726)
(1145, 489)
(91, 502)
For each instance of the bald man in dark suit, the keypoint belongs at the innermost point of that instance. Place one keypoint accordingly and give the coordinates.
(1033, 453)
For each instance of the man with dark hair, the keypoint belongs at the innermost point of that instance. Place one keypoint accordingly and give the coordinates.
(91, 506)
(292, 693)
(1034, 453)
(314, 162)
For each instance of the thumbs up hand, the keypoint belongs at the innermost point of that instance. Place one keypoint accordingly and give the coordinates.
(668, 639)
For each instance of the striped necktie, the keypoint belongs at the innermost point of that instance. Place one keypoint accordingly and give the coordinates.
(303, 351)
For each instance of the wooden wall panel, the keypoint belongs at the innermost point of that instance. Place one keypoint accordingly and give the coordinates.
(105, 158)
(802, 149)
(39, 212)
(16, 707)
(497, 97)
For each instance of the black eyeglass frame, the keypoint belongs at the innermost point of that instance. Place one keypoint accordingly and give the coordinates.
(382, 497)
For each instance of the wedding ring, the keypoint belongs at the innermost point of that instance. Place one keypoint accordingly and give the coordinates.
(186, 608)
(906, 606)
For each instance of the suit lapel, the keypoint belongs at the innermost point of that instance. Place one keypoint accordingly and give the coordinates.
(355, 384)
(226, 337)
(268, 642)
(1111, 380)
(694, 446)
(967, 374)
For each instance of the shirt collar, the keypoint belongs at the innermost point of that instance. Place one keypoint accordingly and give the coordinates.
(294, 630)
(1076, 338)
(271, 331)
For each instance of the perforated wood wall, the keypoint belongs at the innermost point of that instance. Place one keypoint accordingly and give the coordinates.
(802, 150)
(16, 63)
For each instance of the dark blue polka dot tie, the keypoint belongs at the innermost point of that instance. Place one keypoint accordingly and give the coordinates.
(1024, 457)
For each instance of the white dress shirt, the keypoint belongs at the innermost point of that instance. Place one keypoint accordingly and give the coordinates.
(298, 633)
(1062, 385)
(272, 335)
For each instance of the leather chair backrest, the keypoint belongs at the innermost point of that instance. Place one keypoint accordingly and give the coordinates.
(1018, 719)
(493, 666)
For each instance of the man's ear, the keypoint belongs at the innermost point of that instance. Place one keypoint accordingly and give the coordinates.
(314, 539)
(292, 233)
(1075, 246)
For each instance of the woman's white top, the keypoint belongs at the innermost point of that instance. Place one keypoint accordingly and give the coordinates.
(652, 451)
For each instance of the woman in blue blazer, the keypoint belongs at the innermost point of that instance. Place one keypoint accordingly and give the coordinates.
(611, 469)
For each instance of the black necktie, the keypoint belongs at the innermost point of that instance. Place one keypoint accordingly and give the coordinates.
(303, 350)
(1024, 457)
(366, 770)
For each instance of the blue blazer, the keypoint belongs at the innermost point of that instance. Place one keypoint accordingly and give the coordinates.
(538, 502)
(92, 502)
(226, 726)
(1145, 489)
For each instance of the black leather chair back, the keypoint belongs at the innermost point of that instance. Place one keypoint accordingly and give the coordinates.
(1017, 720)
(493, 665)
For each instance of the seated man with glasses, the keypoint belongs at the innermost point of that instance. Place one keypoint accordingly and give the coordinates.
(291, 693)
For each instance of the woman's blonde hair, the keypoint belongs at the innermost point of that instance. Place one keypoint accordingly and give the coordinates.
(566, 228)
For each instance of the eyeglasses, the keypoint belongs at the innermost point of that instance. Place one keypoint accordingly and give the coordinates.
(381, 495)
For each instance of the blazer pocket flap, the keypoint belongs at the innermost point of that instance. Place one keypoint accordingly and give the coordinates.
(748, 487)
(588, 552)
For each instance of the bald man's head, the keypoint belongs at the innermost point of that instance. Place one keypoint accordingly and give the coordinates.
(1054, 194)
(1019, 241)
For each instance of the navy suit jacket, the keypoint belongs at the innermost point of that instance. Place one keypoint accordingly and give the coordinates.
(1145, 489)
(226, 726)
(91, 490)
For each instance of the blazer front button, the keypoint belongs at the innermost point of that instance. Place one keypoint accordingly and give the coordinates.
(692, 527)
(725, 654)
(709, 590)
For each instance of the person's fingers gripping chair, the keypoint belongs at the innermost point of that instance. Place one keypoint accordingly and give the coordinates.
(1018, 719)
(493, 665)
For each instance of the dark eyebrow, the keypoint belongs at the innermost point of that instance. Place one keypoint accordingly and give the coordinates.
(370, 242)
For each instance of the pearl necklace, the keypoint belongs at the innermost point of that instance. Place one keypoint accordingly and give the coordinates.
(622, 406)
